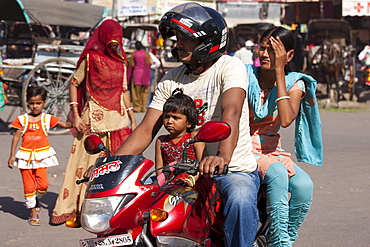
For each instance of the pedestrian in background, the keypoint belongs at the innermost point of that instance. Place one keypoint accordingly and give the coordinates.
(139, 76)
(244, 54)
(364, 58)
(100, 104)
(153, 76)
(35, 153)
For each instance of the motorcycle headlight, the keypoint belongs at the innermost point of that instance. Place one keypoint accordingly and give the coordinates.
(97, 212)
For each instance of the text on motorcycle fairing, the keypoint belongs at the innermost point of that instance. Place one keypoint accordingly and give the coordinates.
(174, 199)
(97, 187)
(112, 166)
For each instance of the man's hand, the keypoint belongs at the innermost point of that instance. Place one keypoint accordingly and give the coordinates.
(208, 165)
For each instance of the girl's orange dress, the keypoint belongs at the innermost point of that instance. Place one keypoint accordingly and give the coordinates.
(35, 155)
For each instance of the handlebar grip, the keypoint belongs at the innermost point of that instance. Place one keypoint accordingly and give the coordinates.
(224, 172)
(82, 180)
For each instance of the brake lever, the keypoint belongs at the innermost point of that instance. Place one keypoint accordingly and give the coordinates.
(224, 172)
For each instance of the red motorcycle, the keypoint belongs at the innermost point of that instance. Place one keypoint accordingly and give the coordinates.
(125, 206)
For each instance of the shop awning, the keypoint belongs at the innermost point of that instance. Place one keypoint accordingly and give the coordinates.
(54, 12)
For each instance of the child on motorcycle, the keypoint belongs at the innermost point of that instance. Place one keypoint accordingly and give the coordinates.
(35, 153)
(179, 119)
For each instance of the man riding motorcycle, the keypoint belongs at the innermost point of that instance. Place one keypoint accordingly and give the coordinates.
(218, 85)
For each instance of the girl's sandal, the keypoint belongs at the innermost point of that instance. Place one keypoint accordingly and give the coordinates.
(34, 221)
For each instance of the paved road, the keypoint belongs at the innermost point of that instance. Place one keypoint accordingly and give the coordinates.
(339, 214)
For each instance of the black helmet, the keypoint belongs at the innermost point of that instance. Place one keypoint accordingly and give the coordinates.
(194, 21)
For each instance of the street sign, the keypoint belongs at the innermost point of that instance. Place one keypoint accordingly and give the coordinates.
(355, 8)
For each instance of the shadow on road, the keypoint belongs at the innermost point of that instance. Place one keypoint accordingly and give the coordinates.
(18, 209)
(8, 205)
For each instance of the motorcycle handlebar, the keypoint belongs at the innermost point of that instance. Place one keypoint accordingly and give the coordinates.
(193, 170)
(82, 180)
(224, 172)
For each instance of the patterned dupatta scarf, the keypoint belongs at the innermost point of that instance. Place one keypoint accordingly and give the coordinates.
(308, 144)
(106, 67)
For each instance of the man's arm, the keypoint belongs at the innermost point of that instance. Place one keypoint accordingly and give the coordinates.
(232, 106)
(143, 135)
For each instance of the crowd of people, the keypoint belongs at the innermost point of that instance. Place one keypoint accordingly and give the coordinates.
(254, 98)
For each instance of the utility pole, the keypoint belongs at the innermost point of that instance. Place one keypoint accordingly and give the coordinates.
(114, 9)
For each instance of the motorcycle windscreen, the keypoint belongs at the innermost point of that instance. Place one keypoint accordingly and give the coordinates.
(110, 171)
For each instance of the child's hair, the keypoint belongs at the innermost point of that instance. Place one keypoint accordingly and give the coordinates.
(34, 91)
(183, 104)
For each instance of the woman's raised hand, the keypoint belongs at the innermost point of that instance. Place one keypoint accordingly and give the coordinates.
(281, 57)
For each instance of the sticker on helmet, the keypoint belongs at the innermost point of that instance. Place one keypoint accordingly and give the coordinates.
(223, 38)
(199, 34)
(186, 22)
(183, 25)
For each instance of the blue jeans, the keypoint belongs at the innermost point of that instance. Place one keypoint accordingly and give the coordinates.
(286, 216)
(239, 195)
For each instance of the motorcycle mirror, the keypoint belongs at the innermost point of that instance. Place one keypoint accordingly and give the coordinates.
(93, 144)
(213, 131)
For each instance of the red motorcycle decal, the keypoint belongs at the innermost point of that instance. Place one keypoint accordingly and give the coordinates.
(106, 169)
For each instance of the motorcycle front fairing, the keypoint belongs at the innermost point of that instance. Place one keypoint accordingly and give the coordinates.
(186, 215)
(115, 195)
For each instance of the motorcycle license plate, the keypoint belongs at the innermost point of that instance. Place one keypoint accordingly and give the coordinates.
(116, 240)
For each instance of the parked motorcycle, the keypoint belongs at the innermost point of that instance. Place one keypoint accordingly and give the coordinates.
(124, 206)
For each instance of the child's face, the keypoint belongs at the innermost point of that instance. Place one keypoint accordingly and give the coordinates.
(36, 104)
(175, 122)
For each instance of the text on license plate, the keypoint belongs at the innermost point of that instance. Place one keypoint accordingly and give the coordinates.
(116, 240)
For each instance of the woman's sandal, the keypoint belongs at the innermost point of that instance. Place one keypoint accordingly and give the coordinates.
(34, 221)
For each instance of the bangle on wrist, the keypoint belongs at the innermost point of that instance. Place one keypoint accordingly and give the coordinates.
(192, 178)
(129, 109)
(281, 98)
(73, 104)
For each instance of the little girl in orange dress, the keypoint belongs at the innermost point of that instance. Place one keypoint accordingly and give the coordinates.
(35, 153)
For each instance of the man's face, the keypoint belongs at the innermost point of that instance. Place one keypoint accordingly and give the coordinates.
(185, 48)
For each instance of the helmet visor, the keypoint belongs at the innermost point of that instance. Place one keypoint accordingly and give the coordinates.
(193, 11)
